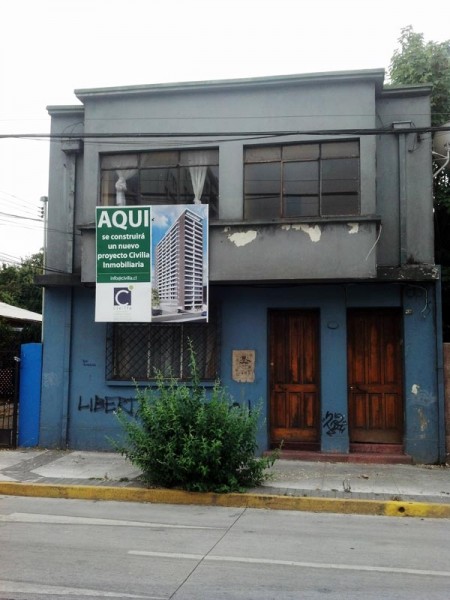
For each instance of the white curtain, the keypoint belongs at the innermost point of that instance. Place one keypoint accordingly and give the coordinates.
(197, 162)
(121, 184)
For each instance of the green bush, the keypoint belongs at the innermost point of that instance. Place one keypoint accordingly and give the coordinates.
(183, 439)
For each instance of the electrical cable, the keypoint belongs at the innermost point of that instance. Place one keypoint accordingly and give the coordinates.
(225, 134)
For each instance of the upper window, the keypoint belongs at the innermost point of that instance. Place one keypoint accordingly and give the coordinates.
(168, 177)
(303, 180)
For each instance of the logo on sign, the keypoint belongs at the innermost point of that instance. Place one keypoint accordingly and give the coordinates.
(122, 297)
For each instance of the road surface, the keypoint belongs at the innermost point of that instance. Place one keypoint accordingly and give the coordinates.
(64, 549)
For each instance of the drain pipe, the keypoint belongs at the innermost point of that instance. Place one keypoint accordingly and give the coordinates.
(402, 128)
(71, 149)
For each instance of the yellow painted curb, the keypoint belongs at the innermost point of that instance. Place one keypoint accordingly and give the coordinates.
(387, 508)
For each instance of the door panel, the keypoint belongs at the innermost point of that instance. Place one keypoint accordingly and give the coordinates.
(375, 395)
(294, 376)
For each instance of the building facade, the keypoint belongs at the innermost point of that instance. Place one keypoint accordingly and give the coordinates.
(324, 299)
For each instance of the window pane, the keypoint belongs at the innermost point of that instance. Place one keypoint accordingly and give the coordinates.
(120, 161)
(300, 178)
(301, 206)
(108, 190)
(159, 159)
(262, 154)
(159, 186)
(210, 193)
(262, 208)
(332, 150)
(340, 175)
(301, 151)
(338, 204)
(263, 180)
(262, 191)
(199, 157)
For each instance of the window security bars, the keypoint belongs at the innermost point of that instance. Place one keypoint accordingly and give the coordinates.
(140, 352)
(9, 394)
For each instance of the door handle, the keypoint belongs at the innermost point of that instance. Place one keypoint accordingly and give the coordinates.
(355, 388)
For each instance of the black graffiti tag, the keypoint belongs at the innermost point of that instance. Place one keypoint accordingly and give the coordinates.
(108, 404)
(334, 423)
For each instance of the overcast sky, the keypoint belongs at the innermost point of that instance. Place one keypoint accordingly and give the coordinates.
(48, 48)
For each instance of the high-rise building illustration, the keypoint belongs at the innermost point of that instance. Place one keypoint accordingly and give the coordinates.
(179, 263)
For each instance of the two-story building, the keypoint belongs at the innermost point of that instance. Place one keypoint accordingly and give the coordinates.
(324, 299)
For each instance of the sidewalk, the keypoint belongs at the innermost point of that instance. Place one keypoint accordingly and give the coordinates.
(300, 485)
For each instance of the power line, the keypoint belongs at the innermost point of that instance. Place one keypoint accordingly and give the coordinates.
(201, 134)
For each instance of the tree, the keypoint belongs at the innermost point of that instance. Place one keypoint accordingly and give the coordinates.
(18, 289)
(415, 62)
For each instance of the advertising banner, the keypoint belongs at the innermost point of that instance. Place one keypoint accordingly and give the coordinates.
(152, 263)
(123, 290)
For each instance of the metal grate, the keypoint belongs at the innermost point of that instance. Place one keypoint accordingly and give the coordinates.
(139, 351)
(8, 398)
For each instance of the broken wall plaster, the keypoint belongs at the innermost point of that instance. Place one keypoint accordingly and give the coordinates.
(353, 228)
(243, 238)
(314, 232)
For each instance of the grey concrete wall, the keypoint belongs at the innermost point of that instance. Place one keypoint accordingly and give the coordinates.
(279, 105)
(419, 242)
(65, 194)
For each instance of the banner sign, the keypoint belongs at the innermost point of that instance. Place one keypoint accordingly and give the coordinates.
(152, 263)
(123, 291)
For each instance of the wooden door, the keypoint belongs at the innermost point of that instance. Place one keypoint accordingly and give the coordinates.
(294, 377)
(375, 395)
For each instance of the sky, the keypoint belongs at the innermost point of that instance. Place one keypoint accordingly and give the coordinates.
(49, 48)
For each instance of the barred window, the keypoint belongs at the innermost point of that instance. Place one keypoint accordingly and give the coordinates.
(140, 351)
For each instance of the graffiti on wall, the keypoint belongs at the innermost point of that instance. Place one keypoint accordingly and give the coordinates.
(108, 404)
(334, 422)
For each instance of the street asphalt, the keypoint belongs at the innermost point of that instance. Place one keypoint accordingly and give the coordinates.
(360, 488)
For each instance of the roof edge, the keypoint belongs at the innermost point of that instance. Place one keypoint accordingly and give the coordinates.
(65, 110)
(376, 75)
(421, 89)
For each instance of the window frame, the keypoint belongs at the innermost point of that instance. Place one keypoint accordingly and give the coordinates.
(285, 154)
(118, 366)
(176, 163)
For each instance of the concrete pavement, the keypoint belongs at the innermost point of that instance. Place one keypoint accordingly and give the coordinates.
(400, 490)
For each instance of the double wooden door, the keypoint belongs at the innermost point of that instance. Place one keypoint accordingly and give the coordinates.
(374, 363)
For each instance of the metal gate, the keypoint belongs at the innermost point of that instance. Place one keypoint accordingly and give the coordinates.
(9, 398)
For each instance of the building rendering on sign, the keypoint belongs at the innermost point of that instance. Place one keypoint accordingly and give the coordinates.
(179, 263)
(324, 298)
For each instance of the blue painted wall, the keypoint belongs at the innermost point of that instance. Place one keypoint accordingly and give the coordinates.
(77, 421)
(30, 394)
(421, 390)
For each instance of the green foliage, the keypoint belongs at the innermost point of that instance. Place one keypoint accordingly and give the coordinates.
(183, 439)
(18, 289)
(415, 62)
(17, 283)
(419, 62)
